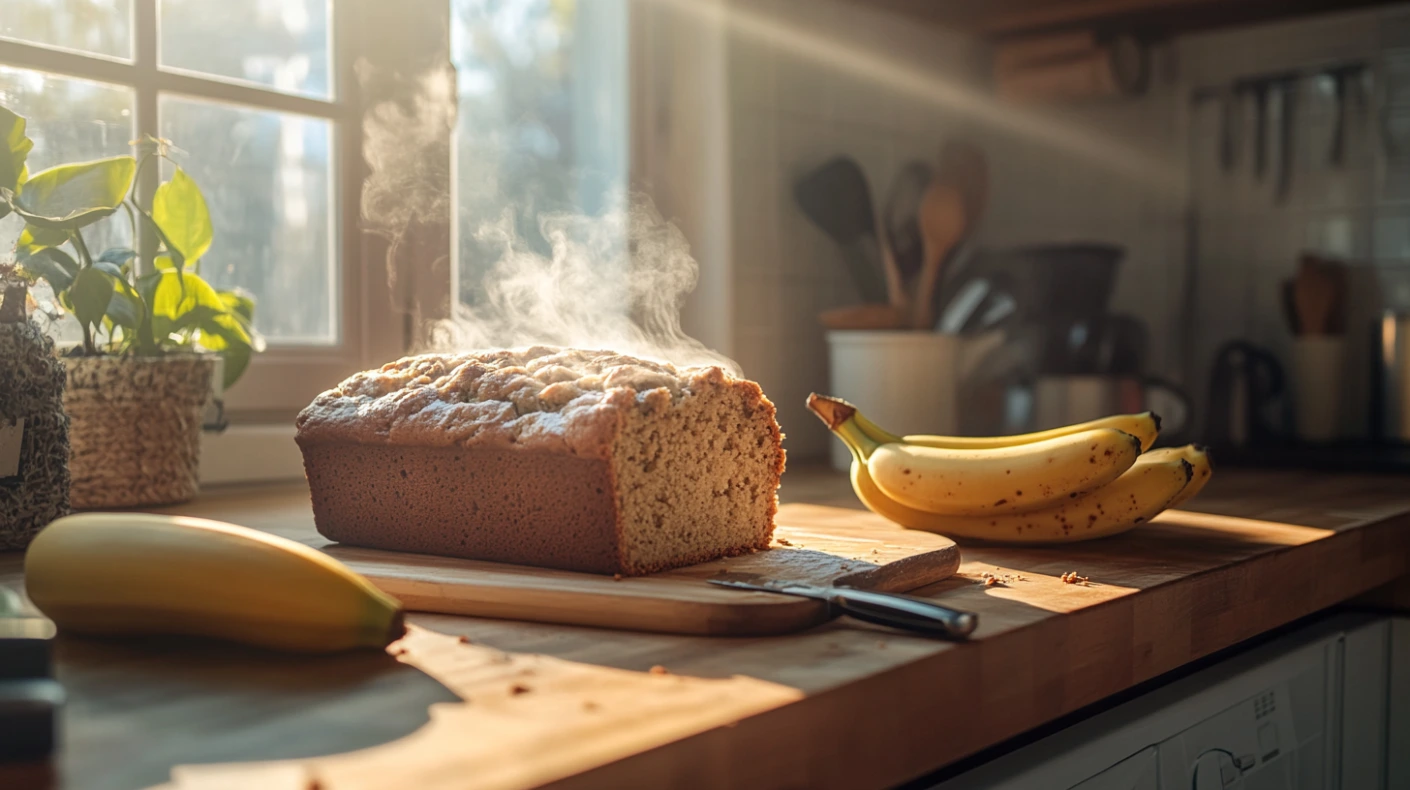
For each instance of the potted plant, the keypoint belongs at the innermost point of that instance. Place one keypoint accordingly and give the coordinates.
(152, 334)
(34, 432)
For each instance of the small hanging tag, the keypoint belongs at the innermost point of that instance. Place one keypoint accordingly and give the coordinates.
(11, 439)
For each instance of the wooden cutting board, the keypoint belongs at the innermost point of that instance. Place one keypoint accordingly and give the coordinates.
(836, 548)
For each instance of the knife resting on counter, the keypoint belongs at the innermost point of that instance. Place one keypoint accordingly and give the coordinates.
(906, 612)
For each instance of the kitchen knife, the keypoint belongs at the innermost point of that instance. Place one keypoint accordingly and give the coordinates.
(898, 611)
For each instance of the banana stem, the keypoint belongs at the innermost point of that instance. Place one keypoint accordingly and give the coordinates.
(876, 432)
(861, 435)
(856, 439)
(832, 411)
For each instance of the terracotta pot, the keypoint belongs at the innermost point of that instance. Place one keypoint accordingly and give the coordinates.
(136, 428)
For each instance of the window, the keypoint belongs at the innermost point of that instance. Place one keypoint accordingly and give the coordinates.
(268, 104)
(250, 94)
(542, 124)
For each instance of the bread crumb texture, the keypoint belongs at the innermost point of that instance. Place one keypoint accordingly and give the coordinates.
(586, 460)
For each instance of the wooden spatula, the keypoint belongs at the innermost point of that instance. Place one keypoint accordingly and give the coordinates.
(964, 166)
(942, 225)
(1318, 294)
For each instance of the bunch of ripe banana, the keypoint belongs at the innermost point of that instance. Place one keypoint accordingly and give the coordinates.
(1067, 484)
(135, 574)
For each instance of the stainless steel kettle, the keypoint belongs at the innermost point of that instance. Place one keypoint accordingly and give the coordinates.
(1246, 400)
(1067, 400)
(1390, 365)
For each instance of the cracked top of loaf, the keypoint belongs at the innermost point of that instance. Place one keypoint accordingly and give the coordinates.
(541, 398)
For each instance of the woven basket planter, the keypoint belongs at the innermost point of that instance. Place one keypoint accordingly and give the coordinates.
(31, 389)
(136, 429)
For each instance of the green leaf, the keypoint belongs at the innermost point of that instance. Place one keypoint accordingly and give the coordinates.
(91, 293)
(221, 331)
(165, 263)
(54, 265)
(193, 318)
(126, 310)
(237, 359)
(146, 288)
(69, 197)
(34, 239)
(117, 255)
(225, 333)
(111, 269)
(12, 158)
(239, 302)
(180, 211)
(174, 258)
(173, 295)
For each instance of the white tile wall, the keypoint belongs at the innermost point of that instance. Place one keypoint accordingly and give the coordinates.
(848, 80)
(845, 79)
(1249, 241)
(797, 100)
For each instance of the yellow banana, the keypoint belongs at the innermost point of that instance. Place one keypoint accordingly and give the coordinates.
(1144, 426)
(1003, 479)
(1200, 462)
(1150, 486)
(137, 573)
(1146, 489)
(1140, 494)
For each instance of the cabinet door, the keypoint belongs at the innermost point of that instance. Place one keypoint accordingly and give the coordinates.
(1140, 771)
(1365, 674)
(1398, 744)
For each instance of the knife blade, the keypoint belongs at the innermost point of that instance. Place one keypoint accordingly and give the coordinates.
(906, 612)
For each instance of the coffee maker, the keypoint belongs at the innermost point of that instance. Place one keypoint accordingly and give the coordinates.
(1064, 357)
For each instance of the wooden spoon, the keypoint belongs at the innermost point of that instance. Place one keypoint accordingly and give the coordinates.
(1318, 292)
(965, 170)
(964, 166)
(1313, 307)
(942, 226)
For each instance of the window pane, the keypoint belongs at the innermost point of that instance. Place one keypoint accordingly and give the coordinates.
(69, 120)
(282, 44)
(101, 27)
(543, 116)
(267, 177)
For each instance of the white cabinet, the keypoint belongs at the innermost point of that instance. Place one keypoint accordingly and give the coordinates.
(1324, 708)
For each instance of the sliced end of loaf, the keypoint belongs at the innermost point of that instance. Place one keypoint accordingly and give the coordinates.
(698, 480)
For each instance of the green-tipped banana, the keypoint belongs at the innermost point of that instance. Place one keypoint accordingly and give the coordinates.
(989, 481)
(1152, 483)
(1144, 426)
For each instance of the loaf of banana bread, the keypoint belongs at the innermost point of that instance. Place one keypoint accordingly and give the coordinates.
(582, 460)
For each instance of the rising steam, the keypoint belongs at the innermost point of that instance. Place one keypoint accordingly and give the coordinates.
(406, 143)
(614, 281)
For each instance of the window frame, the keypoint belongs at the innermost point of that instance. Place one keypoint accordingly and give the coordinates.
(286, 376)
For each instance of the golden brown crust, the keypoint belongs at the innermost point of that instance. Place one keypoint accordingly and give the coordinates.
(538, 398)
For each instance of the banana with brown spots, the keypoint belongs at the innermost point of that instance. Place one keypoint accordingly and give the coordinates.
(1000, 480)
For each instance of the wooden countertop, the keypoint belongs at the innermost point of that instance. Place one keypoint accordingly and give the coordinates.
(843, 705)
